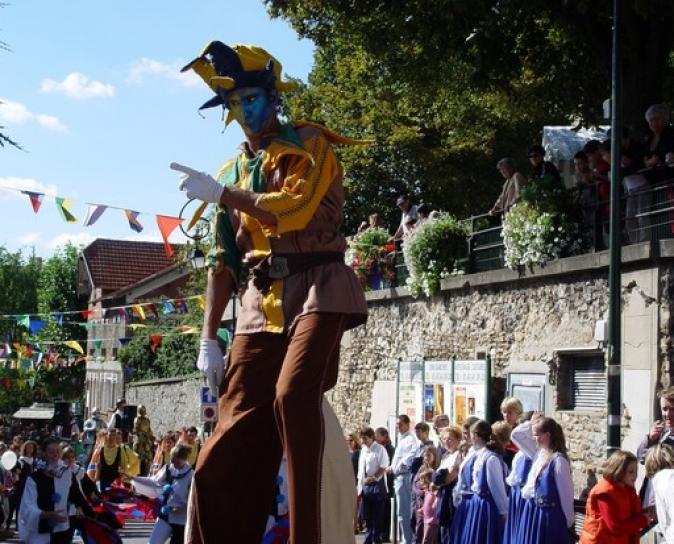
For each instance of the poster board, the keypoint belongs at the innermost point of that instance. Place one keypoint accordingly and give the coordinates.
(459, 389)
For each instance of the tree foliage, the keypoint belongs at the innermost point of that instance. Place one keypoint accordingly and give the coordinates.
(447, 88)
(18, 293)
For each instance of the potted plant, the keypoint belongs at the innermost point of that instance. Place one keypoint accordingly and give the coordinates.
(370, 255)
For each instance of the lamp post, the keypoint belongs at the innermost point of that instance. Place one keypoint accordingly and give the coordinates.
(613, 351)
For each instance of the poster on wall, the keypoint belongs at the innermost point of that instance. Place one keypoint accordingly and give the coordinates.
(470, 390)
(438, 381)
(408, 400)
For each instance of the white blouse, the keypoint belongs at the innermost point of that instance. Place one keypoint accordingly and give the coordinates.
(370, 461)
(663, 488)
(495, 468)
(563, 482)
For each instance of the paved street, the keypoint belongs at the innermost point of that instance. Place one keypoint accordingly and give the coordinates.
(135, 532)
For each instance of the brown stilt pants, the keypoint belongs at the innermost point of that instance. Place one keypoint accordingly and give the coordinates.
(270, 399)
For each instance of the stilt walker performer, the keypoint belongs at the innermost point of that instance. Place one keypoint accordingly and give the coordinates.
(278, 214)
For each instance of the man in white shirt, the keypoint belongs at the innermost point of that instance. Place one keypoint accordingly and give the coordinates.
(409, 216)
(406, 450)
(372, 465)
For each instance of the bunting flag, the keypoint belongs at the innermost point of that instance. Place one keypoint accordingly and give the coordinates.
(166, 226)
(133, 221)
(63, 205)
(36, 325)
(155, 340)
(58, 317)
(123, 341)
(189, 330)
(93, 214)
(98, 344)
(5, 350)
(138, 310)
(181, 306)
(86, 314)
(151, 311)
(201, 301)
(135, 326)
(225, 335)
(74, 344)
(167, 307)
(24, 321)
(35, 199)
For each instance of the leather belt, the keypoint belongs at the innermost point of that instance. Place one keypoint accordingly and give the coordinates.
(281, 266)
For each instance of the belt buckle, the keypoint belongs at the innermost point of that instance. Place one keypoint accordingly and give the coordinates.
(278, 268)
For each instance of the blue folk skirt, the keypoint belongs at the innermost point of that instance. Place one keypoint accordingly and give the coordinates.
(542, 525)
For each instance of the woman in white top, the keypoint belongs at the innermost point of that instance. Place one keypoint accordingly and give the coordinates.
(372, 465)
(450, 437)
(660, 469)
(486, 510)
(548, 511)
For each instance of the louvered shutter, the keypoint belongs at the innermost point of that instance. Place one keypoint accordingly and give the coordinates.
(589, 383)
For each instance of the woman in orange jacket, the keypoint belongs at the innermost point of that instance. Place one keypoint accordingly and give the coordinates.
(613, 512)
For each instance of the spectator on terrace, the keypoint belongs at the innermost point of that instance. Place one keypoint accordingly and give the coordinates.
(409, 216)
(638, 202)
(374, 221)
(514, 183)
(541, 167)
(661, 139)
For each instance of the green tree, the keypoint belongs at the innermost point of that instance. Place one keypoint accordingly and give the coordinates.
(57, 292)
(447, 88)
(18, 293)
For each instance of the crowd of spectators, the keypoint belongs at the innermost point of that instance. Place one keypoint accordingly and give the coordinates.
(509, 481)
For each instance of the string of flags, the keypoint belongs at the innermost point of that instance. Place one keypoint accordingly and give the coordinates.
(166, 223)
(141, 310)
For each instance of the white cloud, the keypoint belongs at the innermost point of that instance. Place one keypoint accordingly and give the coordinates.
(8, 183)
(78, 86)
(51, 122)
(77, 239)
(29, 239)
(145, 67)
(15, 113)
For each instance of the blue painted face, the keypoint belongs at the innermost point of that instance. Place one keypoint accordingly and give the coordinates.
(251, 108)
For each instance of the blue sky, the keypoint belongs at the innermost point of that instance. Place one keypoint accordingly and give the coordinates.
(92, 91)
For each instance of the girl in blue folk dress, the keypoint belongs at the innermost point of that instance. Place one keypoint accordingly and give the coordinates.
(547, 515)
(522, 438)
(485, 512)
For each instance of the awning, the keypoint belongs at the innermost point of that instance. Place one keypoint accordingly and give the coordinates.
(38, 410)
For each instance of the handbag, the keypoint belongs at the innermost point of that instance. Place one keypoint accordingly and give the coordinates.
(375, 490)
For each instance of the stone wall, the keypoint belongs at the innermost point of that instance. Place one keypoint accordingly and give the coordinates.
(171, 403)
(524, 322)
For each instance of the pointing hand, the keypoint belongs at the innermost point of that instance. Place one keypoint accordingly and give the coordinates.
(198, 185)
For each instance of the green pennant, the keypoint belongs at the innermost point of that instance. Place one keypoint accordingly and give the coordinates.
(23, 320)
(225, 336)
(62, 205)
(98, 344)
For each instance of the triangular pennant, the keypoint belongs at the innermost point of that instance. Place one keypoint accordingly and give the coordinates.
(224, 335)
(167, 307)
(93, 214)
(36, 325)
(201, 301)
(63, 205)
(166, 226)
(155, 340)
(151, 311)
(132, 217)
(35, 199)
(74, 344)
(181, 306)
(138, 310)
(86, 314)
(23, 320)
(123, 341)
(58, 317)
(98, 344)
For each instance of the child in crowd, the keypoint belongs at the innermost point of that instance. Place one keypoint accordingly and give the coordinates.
(427, 510)
(446, 478)
(176, 479)
(548, 514)
(500, 430)
(420, 486)
(521, 464)
(660, 469)
(613, 510)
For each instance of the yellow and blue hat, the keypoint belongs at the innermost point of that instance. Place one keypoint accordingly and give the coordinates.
(224, 68)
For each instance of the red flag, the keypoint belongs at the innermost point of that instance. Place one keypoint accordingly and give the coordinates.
(35, 199)
(166, 226)
(86, 314)
(155, 340)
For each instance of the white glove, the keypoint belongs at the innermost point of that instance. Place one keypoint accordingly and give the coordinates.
(212, 364)
(198, 185)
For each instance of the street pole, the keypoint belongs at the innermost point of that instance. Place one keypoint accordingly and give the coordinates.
(613, 352)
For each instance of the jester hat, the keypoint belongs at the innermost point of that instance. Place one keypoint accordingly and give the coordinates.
(224, 68)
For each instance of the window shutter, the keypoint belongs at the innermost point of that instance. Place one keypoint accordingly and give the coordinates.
(589, 383)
